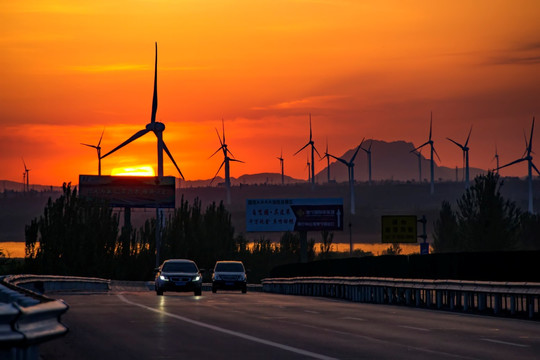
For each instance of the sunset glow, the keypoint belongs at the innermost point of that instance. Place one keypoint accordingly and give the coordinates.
(368, 69)
(134, 171)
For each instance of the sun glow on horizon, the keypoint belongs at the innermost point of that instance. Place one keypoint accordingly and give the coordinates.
(143, 170)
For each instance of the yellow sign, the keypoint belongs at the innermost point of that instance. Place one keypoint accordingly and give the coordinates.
(399, 229)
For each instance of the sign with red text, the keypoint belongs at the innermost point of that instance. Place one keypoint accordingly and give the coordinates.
(267, 215)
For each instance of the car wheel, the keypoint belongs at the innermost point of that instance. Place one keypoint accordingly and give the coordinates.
(244, 290)
(198, 292)
(214, 289)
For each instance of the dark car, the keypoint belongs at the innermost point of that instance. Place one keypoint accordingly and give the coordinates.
(229, 275)
(179, 275)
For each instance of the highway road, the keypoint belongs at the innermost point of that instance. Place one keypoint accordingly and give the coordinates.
(229, 325)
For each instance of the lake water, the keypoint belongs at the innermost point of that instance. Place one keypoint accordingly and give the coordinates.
(17, 249)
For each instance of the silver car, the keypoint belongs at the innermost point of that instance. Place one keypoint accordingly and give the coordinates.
(229, 275)
(179, 275)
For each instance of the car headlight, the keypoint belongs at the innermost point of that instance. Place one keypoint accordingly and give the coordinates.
(197, 278)
(164, 278)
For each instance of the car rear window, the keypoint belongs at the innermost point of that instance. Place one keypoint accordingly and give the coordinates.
(229, 267)
(179, 267)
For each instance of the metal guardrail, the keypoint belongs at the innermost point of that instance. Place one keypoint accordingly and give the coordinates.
(518, 299)
(27, 317)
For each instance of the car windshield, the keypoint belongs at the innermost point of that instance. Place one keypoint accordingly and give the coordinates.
(229, 267)
(179, 267)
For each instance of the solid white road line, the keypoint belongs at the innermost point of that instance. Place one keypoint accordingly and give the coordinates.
(504, 342)
(230, 332)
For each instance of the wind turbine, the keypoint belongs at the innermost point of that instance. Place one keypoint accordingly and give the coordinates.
(308, 167)
(313, 151)
(98, 148)
(27, 175)
(368, 152)
(350, 168)
(226, 161)
(280, 158)
(157, 128)
(327, 156)
(430, 143)
(527, 157)
(465, 149)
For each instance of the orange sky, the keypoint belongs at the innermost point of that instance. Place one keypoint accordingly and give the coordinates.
(371, 69)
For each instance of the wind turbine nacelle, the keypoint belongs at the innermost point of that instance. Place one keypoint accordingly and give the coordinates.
(155, 126)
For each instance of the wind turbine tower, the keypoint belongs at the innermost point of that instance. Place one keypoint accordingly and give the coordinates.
(419, 155)
(368, 152)
(27, 175)
(327, 156)
(350, 168)
(226, 161)
(157, 128)
(433, 151)
(280, 158)
(313, 151)
(530, 165)
(465, 149)
(98, 148)
(496, 158)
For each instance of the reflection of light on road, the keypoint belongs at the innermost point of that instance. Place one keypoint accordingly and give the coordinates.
(227, 331)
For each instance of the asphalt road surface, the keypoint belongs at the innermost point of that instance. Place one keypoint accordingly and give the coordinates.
(230, 325)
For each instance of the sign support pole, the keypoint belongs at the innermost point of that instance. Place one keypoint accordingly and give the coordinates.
(350, 239)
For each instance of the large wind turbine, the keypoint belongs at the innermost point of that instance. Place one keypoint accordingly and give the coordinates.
(280, 158)
(98, 148)
(313, 151)
(433, 151)
(496, 157)
(350, 168)
(527, 157)
(465, 149)
(27, 173)
(368, 153)
(226, 161)
(157, 128)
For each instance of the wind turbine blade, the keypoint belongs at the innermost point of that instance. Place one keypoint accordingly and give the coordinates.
(134, 137)
(101, 137)
(154, 99)
(530, 141)
(219, 137)
(24, 164)
(216, 152)
(236, 160)
(356, 152)
(435, 151)
(301, 149)
(458, 144)
(223, 126)
(339, 159)
(512, 163)
(370, 143)
(468, 137)
(92, 146)
(310, 133)
(314, 148)
(217, 172)
(430, 124)
(172, 159)
(419, 147)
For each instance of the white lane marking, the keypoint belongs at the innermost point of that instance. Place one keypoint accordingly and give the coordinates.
(353, 318)
(504, 342)
(413, 328)
(311, 312)
(231, 332)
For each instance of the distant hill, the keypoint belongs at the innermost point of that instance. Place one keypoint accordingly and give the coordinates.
(6, 185)
(390, 161)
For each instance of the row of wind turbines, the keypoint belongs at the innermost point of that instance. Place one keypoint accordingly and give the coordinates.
(158, 128)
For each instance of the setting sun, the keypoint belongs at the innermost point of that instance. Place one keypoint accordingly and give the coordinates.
(145, 170)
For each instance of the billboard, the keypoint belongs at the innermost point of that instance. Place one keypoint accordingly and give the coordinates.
(268, 215)
(399, 229)
(130, 191)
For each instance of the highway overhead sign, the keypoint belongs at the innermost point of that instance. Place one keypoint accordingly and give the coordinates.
(308, 214)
